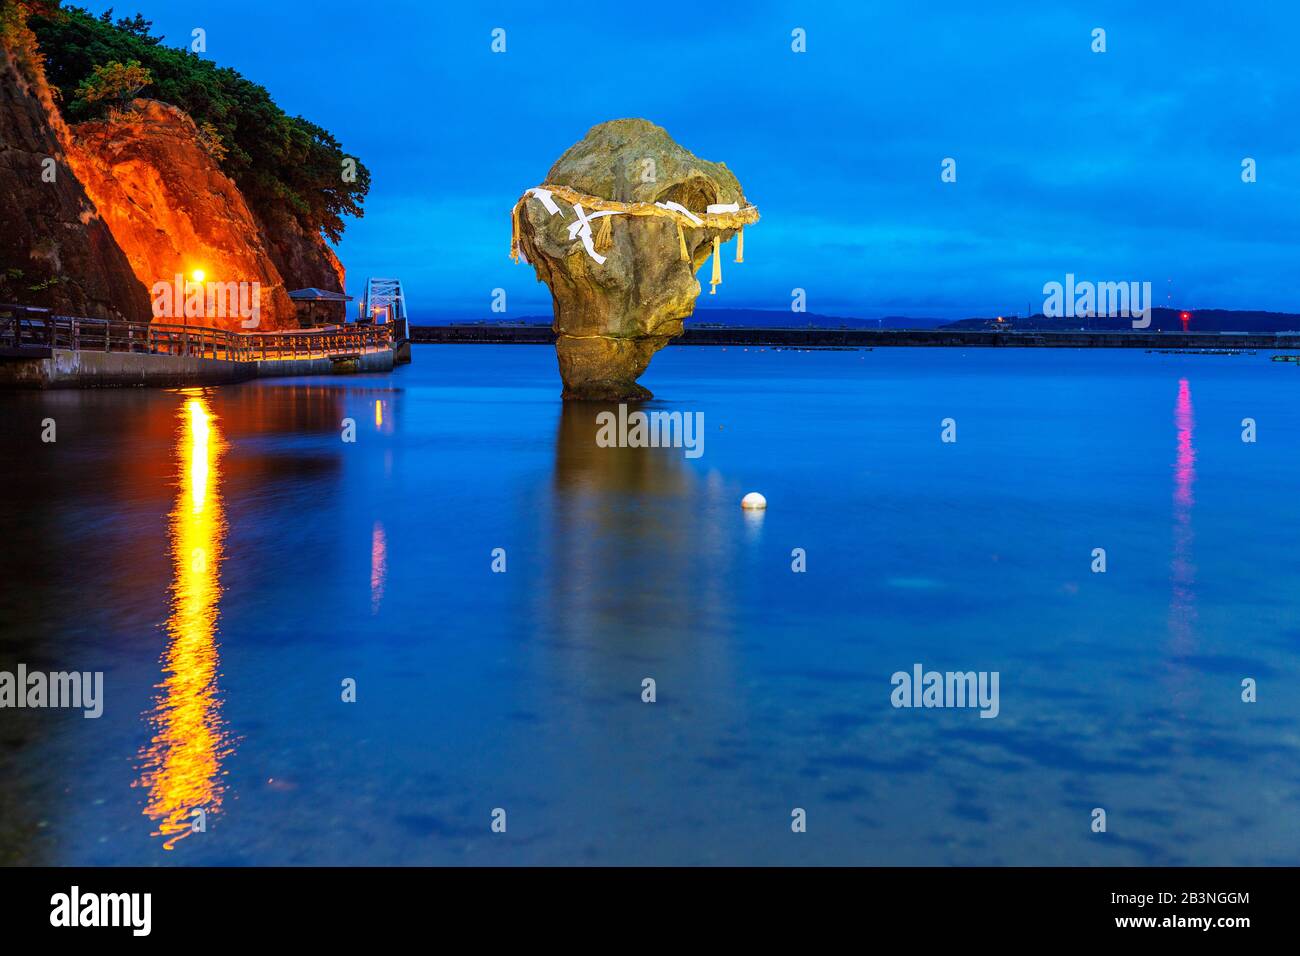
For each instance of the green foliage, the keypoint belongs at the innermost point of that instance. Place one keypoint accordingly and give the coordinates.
(279, 162)
(120, 82)
(137, 26)
(18, 38)
(210, 138)
(14, 284)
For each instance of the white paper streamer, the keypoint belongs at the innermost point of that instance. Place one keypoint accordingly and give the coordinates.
(582, 229)
(678, 207)
(545, 196)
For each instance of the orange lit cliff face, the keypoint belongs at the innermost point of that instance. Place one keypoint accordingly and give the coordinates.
(55, 252)
(137, 200)
(173, 211)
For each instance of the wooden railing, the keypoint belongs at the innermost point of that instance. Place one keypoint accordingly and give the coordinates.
(37, 330)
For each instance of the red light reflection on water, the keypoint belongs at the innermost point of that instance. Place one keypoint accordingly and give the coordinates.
(1182, 573)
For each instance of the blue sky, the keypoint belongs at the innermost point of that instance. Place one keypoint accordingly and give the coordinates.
(1118, 166)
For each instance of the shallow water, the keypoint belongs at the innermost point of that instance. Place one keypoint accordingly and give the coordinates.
(228, 561)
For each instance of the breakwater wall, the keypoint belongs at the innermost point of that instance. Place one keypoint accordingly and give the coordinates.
(883, 338)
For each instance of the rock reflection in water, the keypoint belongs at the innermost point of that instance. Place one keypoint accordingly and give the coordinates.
(634, 529)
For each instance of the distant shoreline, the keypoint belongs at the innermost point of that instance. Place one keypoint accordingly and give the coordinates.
(482, 334)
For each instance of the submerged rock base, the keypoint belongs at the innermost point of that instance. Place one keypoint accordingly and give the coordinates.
(606, 368)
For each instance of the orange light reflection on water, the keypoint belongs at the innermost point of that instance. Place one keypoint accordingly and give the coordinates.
(181, 767)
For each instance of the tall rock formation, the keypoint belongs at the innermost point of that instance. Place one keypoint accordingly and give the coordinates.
(611, 317)
(55, 250)
(173, 210)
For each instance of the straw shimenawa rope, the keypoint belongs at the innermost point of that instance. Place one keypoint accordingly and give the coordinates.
(604, 238)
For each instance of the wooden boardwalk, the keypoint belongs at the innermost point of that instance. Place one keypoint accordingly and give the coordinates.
(27, 333)
(39, 349)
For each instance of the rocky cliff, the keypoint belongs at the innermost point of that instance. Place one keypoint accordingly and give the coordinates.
(612, 316)
(55, 250)
(93, 215)
(305, 261)
(172, 209)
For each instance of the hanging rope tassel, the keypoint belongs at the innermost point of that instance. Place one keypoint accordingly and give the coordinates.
(740, 245)
(605, 234)
(717, 266)
(514, 233)
(681, 244)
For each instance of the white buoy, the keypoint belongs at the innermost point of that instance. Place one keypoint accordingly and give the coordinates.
(753, 502)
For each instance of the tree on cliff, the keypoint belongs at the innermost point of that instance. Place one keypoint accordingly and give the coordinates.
(279, 162)
(137, 26)
(115, 82)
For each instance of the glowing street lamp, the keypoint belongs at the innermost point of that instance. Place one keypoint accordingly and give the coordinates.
(197, 275)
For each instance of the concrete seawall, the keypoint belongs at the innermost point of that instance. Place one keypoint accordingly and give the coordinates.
(883, 338)
(66, 368)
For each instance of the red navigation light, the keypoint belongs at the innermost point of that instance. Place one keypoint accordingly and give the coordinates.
(1185, 316)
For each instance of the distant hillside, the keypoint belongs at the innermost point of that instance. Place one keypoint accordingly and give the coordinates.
(739, 318)
(1162, 320)
(773, 319)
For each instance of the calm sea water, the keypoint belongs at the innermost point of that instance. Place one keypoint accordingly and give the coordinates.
(228, 562)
